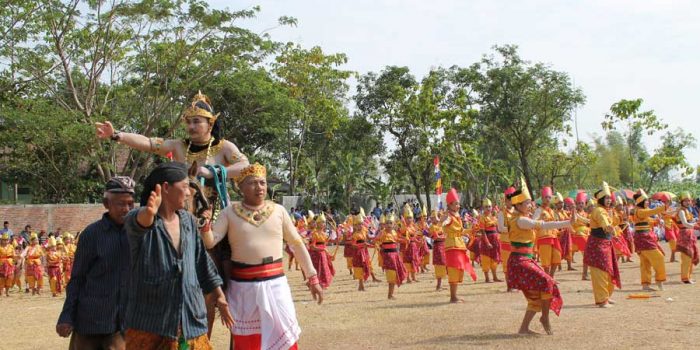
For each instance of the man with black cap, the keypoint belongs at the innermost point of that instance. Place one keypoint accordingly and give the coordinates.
(170, 268)
(96, 295)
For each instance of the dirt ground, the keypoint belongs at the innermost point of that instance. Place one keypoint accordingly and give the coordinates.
(422, 318)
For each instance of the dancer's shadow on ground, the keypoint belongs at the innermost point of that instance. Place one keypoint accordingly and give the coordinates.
(482, 339)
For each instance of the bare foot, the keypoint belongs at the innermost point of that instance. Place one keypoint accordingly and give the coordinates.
(648, 288)
(527, 332)
(392, 298)
(547, 326)
(571, 269)
(605, 305)
(497, 280)
(612, 302)
(488, 281)
(457, 301)
(584, 278)
(438, 289)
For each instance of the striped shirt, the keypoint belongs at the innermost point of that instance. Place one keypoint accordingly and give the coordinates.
(96, 295)
(167, 288)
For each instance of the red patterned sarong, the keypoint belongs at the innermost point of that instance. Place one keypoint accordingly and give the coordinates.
(687, 244)
(34, 270)
(439, 253)
(565, 243)
(55, 272)
(458, 259)
(6, 270)
(620, 244)
(473, 246)
(672, 234)
(361, 259)
(412, 255)
(392, 261)
(601, 255)
(525, 274)
(323, 265)
(495, 251)
(423, 250)
(646, 241)
(349, 250)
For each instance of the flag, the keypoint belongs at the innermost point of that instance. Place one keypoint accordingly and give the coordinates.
(438, 181)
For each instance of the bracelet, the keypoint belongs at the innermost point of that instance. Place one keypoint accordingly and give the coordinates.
(116, 135)
(313, 280)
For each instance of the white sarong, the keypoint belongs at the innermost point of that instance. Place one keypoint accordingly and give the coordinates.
(264, 308)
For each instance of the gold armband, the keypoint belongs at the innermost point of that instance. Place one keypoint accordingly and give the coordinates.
(297, 242)
(156, 144)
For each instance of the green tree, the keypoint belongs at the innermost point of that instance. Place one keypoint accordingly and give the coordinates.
(522, 104)
(670, 156)
(637, 123)
(314, 80)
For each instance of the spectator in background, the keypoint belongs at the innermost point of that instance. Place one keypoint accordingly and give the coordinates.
(43, 238)
(26, 233)
(6, 229)
(57, 233)
(377, 212)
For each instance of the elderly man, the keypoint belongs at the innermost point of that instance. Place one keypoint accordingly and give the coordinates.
(96, 295)
(258, 291)
(169, 268)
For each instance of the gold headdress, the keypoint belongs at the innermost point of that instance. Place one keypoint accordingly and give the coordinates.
(321, 218)
(424, 213)
(603, 192)
(640, 196)
(382, 219)
(486, 203)
(558, 198)
(522, 194)
(256, 169)
(685, 195)
(52, 242)
(197, 109)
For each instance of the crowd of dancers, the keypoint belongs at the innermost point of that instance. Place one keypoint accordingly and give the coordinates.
(530, 240)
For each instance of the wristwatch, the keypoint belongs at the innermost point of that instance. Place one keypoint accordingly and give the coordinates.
(116, 135)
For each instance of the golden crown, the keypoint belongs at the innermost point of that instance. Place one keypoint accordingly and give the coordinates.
(194, 111)
(256, 169)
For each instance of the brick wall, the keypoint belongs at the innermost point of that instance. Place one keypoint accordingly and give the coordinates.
(69, 217)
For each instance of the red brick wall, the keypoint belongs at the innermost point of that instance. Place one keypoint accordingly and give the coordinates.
(69, 217)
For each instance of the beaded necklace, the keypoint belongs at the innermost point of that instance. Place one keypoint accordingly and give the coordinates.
(192, 156)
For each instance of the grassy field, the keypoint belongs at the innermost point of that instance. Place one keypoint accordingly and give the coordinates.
(424, 319)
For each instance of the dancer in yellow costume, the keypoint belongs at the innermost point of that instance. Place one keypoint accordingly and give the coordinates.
(394, 269)
(581, 230)
(7, 264)
(548, 244)
(68, 257)
(600, 254)
(504, 217)
(54, 260)
(457, 260)
(438, 236)
(646, 243)
(538, 287)
(687, 242)
(489, 244)
(423, 248)
(34, 271)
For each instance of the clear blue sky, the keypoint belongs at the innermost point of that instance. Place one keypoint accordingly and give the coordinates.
(612, 49)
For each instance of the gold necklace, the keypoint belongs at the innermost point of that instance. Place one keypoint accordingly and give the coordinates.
(192, 156)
